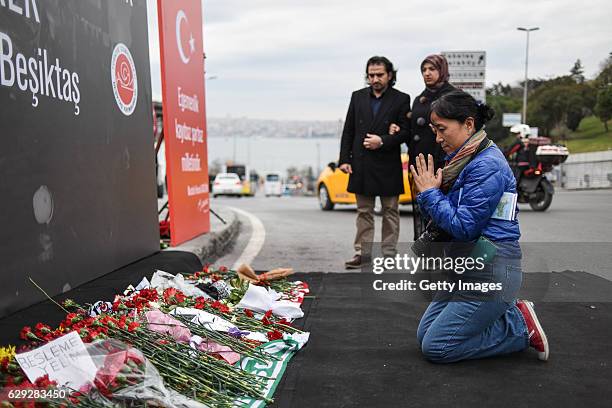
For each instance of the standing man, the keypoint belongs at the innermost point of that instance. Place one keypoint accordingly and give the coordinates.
(372, 157)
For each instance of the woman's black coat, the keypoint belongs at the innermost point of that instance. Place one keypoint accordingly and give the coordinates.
(423, 139)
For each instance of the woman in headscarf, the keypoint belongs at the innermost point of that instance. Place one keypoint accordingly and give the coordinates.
(434, 69)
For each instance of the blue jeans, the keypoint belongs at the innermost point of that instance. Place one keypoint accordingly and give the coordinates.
(456, 328)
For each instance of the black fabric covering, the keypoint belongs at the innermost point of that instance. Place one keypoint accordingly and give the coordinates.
(364, 353)
(104, 288)
(363, 350)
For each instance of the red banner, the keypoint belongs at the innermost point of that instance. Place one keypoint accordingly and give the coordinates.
(182, 69)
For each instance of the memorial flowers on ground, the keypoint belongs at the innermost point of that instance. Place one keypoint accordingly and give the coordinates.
(198, 345)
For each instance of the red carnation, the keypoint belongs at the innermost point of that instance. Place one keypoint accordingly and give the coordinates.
(173, 296)
(73, 317)
(180, 297)
(168, 293)
(45, 382)
(26, 334)
(275, 335)
(248, 312)
(149, 294)
(133, 326)
(164, 229)
(200, 303)
(118, 305)
(220, 306)
(42, 329)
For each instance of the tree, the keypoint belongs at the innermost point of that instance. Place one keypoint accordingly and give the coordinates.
(561, 102)
(603, 108)
(499, 98)
(500, 89)
(532, 85)
(577, 72)
(605, 75)
(545, 109)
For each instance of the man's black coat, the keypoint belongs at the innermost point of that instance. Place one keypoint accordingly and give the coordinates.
(375, 172)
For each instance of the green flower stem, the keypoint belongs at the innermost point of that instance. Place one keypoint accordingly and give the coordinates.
(226, 340)
(210, 371)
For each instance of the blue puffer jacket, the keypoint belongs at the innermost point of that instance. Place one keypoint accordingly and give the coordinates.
(480, 186)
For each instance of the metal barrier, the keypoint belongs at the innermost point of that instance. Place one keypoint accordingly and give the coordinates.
(584, 174)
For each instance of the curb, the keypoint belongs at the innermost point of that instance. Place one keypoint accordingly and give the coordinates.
(214, 244)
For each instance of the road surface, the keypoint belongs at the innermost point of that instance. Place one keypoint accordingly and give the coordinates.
(575, 232)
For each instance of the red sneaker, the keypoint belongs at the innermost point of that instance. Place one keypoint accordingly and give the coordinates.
(537, 337)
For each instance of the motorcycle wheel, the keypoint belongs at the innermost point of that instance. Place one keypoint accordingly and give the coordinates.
(542, 201)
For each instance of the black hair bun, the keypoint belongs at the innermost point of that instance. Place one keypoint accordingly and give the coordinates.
(485, 112)
(459, 105)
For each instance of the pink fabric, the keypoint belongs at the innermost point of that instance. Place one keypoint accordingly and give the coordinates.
(162, 323)
(225, 352)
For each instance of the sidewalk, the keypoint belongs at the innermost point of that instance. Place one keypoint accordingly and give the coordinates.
(223, 232)
(213, 245)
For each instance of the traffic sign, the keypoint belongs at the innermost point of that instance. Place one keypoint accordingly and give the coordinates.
(467, 71)
(511, 119)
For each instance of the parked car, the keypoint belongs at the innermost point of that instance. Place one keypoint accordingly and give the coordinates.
(333, 182)
(227, 184)
(248, 178)
(273, 185)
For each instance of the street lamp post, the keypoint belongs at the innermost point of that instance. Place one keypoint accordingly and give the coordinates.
(527, 30)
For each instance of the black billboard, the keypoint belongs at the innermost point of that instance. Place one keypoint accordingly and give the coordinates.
(77, 172)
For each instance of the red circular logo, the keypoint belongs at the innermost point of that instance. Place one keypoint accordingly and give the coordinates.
(124, 79)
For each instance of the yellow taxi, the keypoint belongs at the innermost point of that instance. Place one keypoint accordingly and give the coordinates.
(333, 182)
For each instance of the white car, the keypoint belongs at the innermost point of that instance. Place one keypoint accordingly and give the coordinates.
(273, 185)
(227, 184)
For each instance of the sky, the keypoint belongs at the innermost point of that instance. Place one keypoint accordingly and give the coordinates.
(301, 59)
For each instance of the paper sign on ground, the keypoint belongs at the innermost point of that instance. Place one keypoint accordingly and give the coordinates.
(65, 360)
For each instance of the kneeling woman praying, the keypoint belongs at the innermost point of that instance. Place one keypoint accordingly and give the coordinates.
(472, 200)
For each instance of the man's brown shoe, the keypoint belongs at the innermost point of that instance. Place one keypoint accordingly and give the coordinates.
(357, 262)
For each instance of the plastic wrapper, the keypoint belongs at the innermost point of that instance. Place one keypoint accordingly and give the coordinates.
(260, 299)
(125, 378)
(163, 280)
